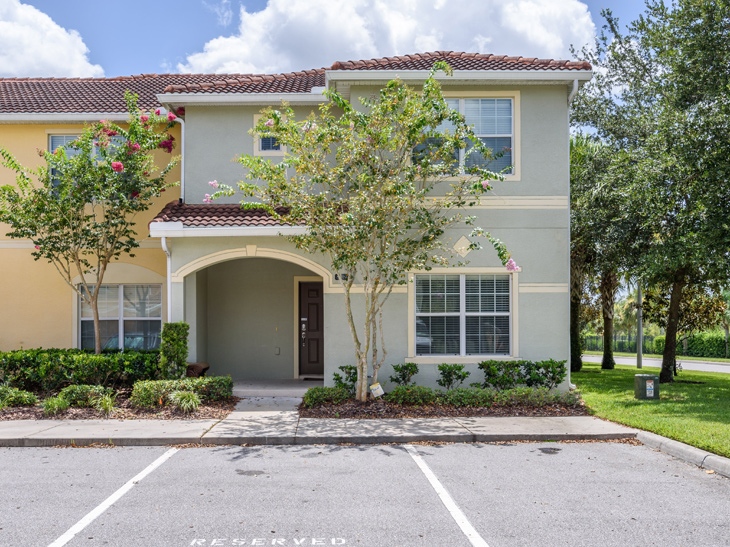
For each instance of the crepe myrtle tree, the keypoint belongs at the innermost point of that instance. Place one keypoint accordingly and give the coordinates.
(376, 189)
(78, 209)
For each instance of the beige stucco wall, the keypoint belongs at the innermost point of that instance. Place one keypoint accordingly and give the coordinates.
(37, 308)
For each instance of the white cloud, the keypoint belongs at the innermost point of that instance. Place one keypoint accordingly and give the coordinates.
(222, 10)
(31, 44)
(300, 34)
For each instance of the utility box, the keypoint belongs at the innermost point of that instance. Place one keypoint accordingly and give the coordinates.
(646, 386)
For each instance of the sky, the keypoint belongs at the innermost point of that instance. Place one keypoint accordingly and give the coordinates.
(85, 38)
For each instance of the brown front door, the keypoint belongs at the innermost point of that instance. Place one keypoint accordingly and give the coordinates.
(311, 329)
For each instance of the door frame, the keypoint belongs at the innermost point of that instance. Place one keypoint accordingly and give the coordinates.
(301, 279)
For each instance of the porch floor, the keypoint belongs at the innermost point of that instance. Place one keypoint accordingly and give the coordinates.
(273, 388)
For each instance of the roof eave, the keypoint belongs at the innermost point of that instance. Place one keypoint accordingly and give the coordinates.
(239, 99)
(61, 117)
(178, 229)
(482, 76)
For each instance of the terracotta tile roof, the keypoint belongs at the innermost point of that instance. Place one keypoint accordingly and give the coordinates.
(461, 61)
(87, 95)
(291, 82)
(214, 215)
(97, 95)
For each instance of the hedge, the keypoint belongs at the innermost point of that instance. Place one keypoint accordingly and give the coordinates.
(151, 393)
(52, 369)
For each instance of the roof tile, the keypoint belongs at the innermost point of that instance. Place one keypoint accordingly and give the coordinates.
(215, 215)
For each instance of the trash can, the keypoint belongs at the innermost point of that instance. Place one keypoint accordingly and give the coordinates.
(646, 386)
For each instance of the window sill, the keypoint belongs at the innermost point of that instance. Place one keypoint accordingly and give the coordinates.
(457, 359)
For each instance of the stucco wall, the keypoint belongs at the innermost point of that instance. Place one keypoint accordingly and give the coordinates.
(37, 308)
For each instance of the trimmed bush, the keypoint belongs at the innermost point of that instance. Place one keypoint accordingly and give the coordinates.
(320, 396)
(84, 395)
(705, 344)
(659, 344)
(52, 369)
(404, 373)
(349, 381)
(452, 376)
(151, 393)
(12, 396)
(55, 405)
(502, 375)
(174, 350)
(412, 395)
(468, 397)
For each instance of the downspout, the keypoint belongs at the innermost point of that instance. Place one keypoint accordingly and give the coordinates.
(169, 278)
(182, 160)
(571, 96)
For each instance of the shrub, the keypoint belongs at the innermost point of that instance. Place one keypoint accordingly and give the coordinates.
(174, 350)
(187, 401)
(404, 373)
(412, 395)
(12, 396)
(52, 369)
(551, 372)
(659, 344)
(452, 376)
(350, 378)
(319, 396)
(503, 375)
(55, 405)
(706, 344)
(535, 397)
(151, 393)
(105, 404)
(473, 397)
(83, 395)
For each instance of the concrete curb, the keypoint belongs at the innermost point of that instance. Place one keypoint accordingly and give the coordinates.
(700, 458)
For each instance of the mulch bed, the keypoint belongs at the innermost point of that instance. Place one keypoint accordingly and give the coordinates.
(380, 408)
(123, 410)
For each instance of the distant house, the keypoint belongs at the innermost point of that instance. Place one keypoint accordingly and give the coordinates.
(258, 307)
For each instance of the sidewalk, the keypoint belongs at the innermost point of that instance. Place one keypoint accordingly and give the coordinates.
(275, 420)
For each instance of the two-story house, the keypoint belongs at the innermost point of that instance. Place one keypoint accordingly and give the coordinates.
(260, 308)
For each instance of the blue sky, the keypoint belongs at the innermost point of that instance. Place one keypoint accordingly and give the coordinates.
(111, 38)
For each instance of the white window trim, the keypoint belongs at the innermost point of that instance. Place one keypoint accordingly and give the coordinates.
(462, 359)
(120, 318)
(516, 122)
(257, 143)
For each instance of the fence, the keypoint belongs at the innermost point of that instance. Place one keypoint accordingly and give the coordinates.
(621, 343)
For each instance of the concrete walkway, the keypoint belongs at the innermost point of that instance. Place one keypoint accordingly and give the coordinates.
(275, 420)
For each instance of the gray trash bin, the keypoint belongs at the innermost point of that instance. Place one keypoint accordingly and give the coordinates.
(646, 386)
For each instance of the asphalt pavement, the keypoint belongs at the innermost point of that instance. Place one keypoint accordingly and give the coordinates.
(703, 366)
(508, 494)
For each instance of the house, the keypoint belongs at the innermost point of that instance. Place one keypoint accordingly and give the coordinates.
(257, 306)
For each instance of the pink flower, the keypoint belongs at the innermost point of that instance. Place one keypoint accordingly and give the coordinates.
(180, 111)
(144, 118)
(102, 121)
(309, 126)
(214, 183)
(207, 199)
(511, 266)
(157, 112)
(171, 116)
(117, 166)
(269, 123)
(486, 186)
(37, 247)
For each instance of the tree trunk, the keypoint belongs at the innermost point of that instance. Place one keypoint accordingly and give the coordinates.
(669, 357)
(576, 278)
(97, 325)
(727, 336)
(609, 284)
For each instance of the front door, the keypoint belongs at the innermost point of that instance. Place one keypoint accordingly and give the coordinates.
(311, 329)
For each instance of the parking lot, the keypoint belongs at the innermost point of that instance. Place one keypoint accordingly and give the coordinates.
(375, 495)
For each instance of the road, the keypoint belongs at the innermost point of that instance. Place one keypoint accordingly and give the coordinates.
(530, 494)
(704, 366)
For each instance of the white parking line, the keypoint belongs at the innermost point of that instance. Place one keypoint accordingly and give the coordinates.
(107, 503)
(460, 518)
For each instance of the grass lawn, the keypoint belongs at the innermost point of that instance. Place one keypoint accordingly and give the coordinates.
(680, 358)
(696, 414)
